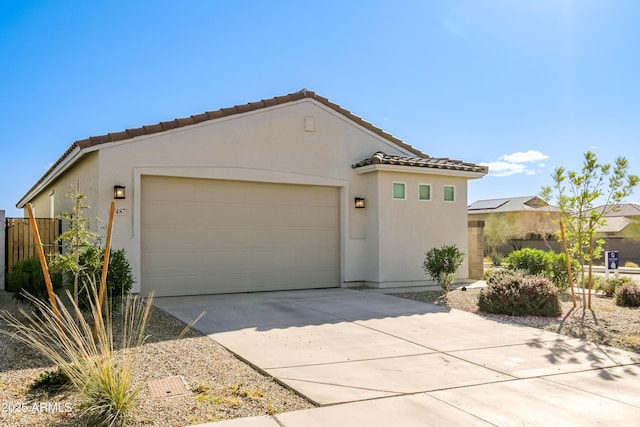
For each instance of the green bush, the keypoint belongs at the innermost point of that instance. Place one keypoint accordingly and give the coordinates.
(515, 294)
(612, 284)
(119, 277)
(547, 264)
(533, 261)
(599, 284)
(441, 264)
(558, 270)
(628, 295)
(26, 276)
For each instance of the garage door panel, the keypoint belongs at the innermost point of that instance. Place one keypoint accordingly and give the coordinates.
(212, 236)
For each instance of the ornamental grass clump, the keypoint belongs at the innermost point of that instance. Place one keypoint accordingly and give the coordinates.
(516, 294)
(85, 350)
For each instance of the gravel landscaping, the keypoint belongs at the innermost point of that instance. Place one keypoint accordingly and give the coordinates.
(219, 385)
(606, 323)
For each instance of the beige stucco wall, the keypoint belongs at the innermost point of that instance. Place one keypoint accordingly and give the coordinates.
(408, 228)
(269, 145)
(85, 173)
(303, 142)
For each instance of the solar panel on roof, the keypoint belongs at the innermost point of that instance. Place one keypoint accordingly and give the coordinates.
(488, 204)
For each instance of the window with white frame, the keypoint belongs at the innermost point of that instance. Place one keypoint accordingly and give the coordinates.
(399, 191)
(424, 191)
(449, 193)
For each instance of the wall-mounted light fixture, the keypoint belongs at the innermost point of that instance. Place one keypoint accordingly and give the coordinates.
(358, 202)
(118, 192)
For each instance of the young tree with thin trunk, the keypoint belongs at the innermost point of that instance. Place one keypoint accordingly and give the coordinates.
(576, 194)
(76, 240)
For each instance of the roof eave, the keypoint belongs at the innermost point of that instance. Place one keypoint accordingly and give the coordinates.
(419, 170)
(52, 174)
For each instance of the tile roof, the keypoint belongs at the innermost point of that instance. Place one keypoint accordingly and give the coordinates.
(623, 209)
(216, 114)
(239, 109)
(381, 158)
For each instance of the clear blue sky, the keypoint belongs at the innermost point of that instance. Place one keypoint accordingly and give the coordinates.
(478, 80)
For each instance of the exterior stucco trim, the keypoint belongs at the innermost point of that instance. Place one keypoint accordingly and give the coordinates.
(418, 170)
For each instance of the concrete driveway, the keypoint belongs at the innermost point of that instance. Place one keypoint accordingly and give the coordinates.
(369, 359)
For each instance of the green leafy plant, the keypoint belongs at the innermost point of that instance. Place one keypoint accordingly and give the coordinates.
(441, 265)
(628, 295)
(537, 262)
(611, 284)
(76, 240)
(576, 194)
(26, 277)
(533, 261)
(496, 258)
(515, 294)
(119, 276)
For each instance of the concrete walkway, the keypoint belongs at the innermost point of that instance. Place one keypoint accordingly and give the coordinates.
(369, 359)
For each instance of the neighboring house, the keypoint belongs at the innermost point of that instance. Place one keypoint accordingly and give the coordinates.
(619, 219)
(290, 192)
(621, 232)
(526, 221)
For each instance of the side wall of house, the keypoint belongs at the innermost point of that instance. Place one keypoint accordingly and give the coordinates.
(85, 174)
(409, 227)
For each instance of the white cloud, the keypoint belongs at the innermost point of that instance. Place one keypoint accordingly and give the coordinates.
(525, 157)
(511, 164)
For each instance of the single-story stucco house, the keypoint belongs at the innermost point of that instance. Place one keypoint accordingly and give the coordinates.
(291, 192)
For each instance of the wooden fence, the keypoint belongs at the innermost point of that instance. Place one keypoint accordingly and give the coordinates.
(19, 241)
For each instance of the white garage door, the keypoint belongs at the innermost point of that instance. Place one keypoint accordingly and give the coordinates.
(215, 236)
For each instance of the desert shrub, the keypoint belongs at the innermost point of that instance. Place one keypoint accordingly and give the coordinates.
(628, 295)
(599, 283)
(441, 264)
(505, 276)
(488, 272)
(630, 264)
(548, 264)
(496, 258)
(518, 295)
(609, 286)
(27, 276)
(557, 270)
(533, 261)
(119, 276)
